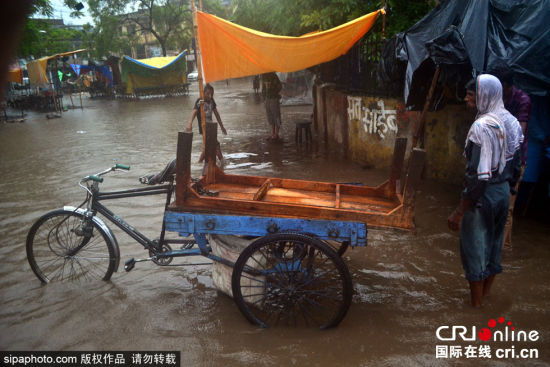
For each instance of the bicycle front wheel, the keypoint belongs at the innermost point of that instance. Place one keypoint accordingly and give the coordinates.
(62, 246)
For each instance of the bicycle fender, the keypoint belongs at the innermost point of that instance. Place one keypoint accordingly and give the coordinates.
(101, 224)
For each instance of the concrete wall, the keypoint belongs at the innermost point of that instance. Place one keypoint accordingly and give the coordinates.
(444, 139)
(365, 128)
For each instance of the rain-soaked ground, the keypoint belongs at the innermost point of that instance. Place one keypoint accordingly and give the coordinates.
(406, 285)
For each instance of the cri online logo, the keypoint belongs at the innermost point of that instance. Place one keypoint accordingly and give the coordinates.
(493, 332)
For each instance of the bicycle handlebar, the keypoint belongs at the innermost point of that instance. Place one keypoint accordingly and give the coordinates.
(122, 166)
(97, 177)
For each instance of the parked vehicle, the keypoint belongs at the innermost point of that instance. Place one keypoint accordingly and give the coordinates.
(193, 76)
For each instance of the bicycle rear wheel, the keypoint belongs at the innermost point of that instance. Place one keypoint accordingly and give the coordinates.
(61, 246)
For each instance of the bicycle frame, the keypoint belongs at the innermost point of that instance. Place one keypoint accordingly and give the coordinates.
(95, 206)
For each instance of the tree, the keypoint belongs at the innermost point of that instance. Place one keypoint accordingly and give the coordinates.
(160, 18)
(168, 21)
(38, 38)
(292, 18)
(272, 16)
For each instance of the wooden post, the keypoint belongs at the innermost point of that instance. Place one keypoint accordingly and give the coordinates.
(384, 20)
(324, 113)
(71, 97)
(183, 166)
(416, 165)
(315, 107)
(210, 152)
(80, 95)
(419, 134)
(396, 167)
(199, 69)
(55, 78)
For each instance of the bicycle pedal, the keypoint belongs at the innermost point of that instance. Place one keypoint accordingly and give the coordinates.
(129, 265)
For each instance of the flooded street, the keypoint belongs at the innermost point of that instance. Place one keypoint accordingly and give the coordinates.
(406, 285)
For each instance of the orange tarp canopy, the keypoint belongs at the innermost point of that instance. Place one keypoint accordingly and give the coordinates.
(15, 75)
(231, 51)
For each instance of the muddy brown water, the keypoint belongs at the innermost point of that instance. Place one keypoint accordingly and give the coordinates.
(406, 285)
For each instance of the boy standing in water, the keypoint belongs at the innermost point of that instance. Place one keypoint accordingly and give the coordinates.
(209, 109)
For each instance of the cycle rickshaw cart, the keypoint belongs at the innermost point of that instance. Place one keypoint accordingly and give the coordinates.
(292, 271)
(289, 272)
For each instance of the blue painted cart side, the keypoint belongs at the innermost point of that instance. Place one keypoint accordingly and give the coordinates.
(187, 224)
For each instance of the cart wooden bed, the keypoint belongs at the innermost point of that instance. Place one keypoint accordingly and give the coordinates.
(389, 205)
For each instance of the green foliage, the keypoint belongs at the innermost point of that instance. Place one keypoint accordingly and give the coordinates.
(38, 38)
(403, 14)
(272, 16)
(100, 40)
(73, 5)
(331, 13)
(252, 14)
(41, 7)
(292, 18)
(42, 39)
(168, 21)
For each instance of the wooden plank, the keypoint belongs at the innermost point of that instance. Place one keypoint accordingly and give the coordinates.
(304, 200)
(365, 191)
(223, 187)
(367, 202)
(235, 195)
(279, 182)
(183, 165)
(314, 198)
(305, 194)
(261, 208)
(262, 190)
(305, 185)
(337, 202)
(366, 207)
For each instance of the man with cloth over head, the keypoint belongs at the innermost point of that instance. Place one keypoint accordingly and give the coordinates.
(481, 214)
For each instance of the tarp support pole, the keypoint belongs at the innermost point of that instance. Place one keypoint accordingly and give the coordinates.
(199, 68)
(384, 20)
(418, 137)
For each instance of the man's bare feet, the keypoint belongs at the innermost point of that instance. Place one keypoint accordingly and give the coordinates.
(476, 293)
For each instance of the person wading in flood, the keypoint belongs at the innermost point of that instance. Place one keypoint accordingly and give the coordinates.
(481, 214)
(271, 88)
(514, 140)
(209, 109)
